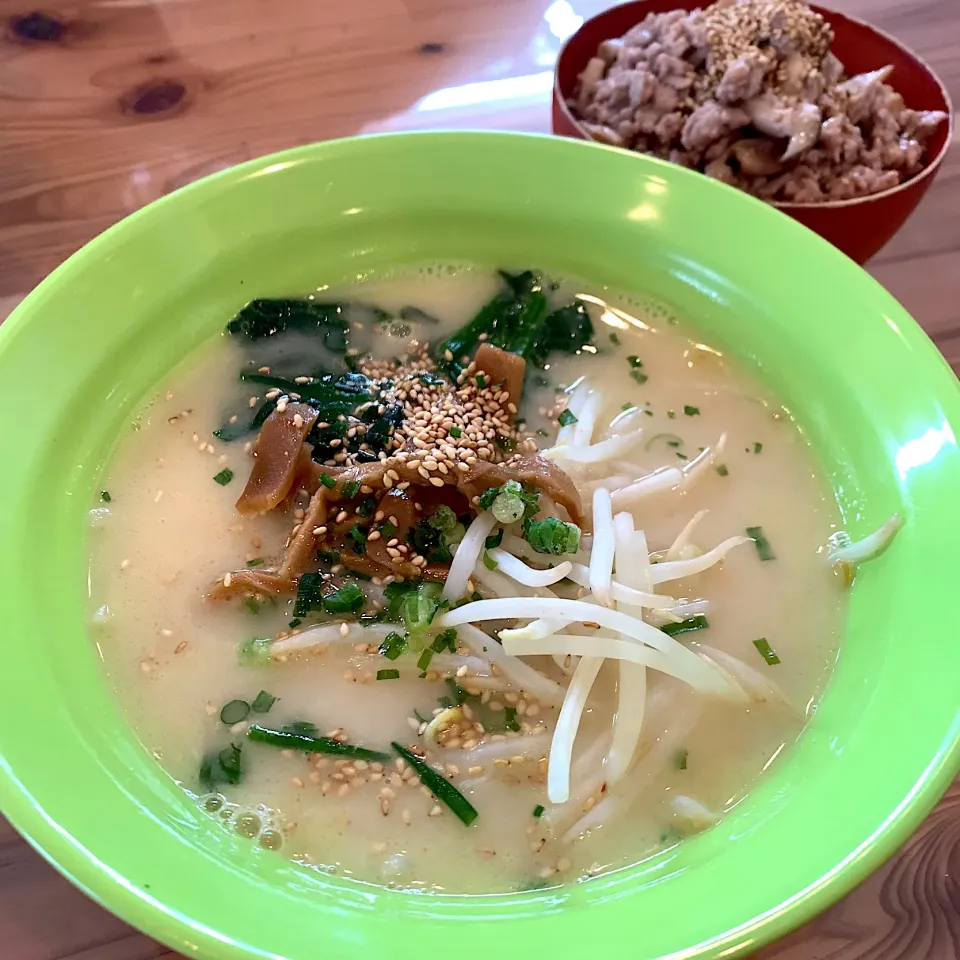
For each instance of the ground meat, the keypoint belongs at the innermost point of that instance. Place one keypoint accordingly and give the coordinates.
(684, 87)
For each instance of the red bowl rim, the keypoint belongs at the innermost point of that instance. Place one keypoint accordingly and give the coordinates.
(928, 171)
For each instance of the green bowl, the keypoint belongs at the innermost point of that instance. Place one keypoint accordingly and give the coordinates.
(877, 401)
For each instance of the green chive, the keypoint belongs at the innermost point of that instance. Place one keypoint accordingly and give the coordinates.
(456, 433)
(439, 786)
(685, 626)
(388, 674)
(538, 811)
(294, 623)
(757, 447)
(359, 538)
(764, 550)
(263, 702)
(722, 470)
(289, 740)
(327, 481)
(510, 719)
(680, 759)
(481, 380)
(234, 712)
(424, 660)
(387, 530)
(639, 376)
(351, 488)
(566, 418)
(634, 361)
(224, 476)
(766, 651)
(446, 640)
(255, 652)
(348, 599)
(221, 767)
(256, 562)
(393, 645)
(691, 411)
(105, 496)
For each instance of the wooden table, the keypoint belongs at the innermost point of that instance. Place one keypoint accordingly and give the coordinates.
(105, 106)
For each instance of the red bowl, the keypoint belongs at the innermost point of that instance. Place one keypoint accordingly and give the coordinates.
(858, 227)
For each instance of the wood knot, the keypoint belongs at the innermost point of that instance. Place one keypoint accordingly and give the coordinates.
(36, 27)
(154, 97)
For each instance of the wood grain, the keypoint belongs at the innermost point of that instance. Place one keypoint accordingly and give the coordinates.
(106, 105)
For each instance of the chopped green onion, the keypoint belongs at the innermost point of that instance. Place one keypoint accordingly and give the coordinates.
(348, 599)
(456, 433)
(481, 380)
(566, 418)
(327, 481)
(691, 411)
(766, 651)
(510, 719)
(722, 470)
(309, 594)
(443, 519)
(388, 674)
(439, 786)
(224, 476)
(639, 376)
(419, 607)
(538, 811)
(359, 538)
(680, 760)
(387, 530)
(255, 652)
(294, 623)
(634, 361)
(253, 605)
(424, 660)
(764, 550)
(351, 488)
(263, 702)
(288, 740)
(627, 406)
(234, 711)
(488, 561)
(256, 562)
(494, 540)
(698, 622)
(446, 640)
(552, 536)
(328, 556)
(614, 339)
(302, 728)
(671, 414)
(757, 447)
(670, 439)
(105, 496)
(221, 767)
(393, 645)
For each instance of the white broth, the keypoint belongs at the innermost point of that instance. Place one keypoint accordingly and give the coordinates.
(165, 530)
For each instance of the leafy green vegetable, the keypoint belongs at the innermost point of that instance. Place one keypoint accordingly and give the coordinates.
(266, 317)
(263, 702)
(494, 540)
(538, 811)
(424, 660)
(445, 640)
(224, 476)
(552, 536)
(566, 418)
(764, 550)
(685, 626)
(388, 674)
(105, 496)
(510, 719)
(287, 739)
(766, 651)
(439, 786)
(691, 411)
(456, 433)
